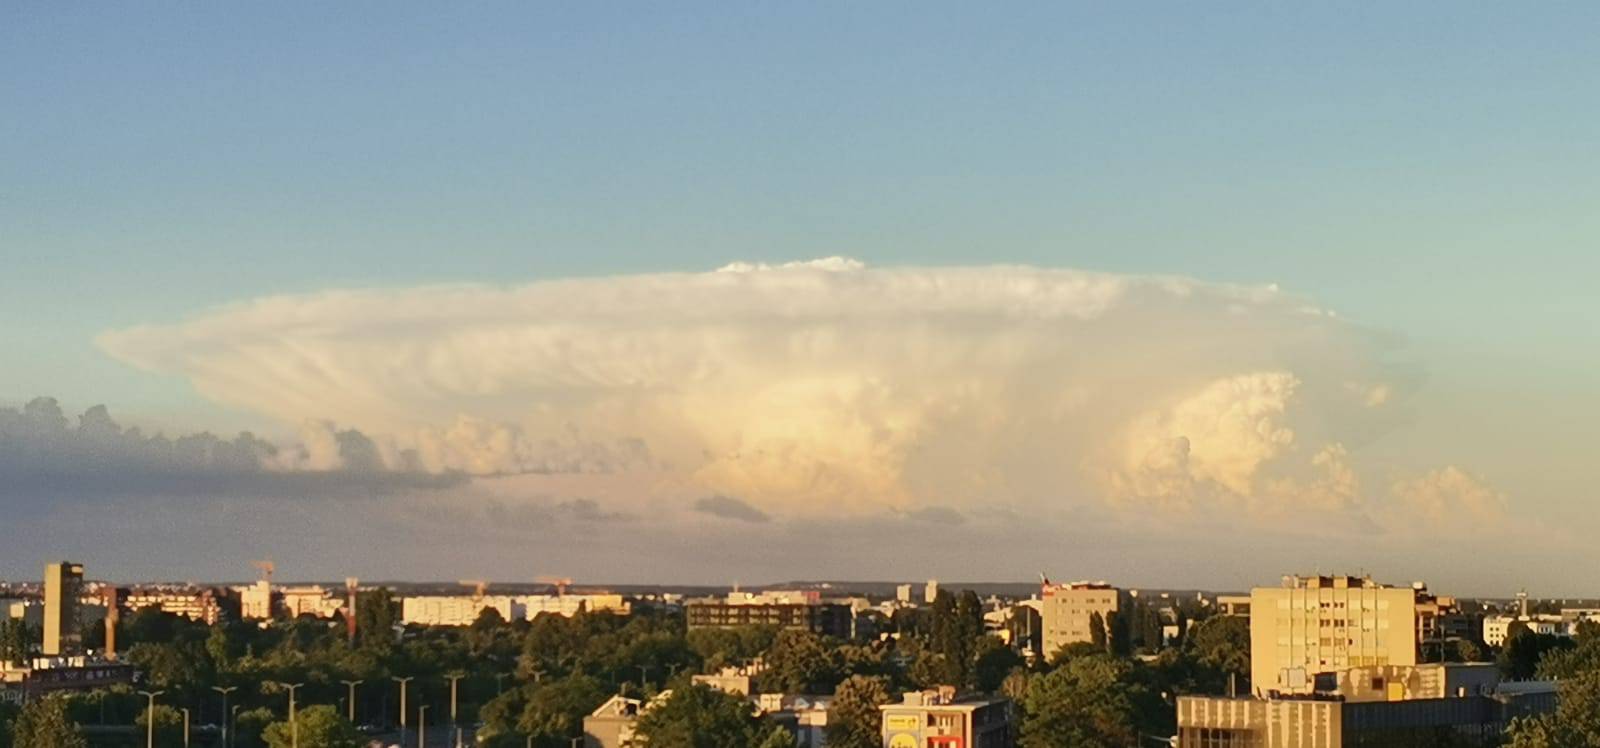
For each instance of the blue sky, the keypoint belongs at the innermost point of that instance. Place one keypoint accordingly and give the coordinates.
(1428, 171)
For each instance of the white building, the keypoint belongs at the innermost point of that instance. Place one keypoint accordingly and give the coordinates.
(569, 605)
(456, 610)
(255, 601)
(1497, 628)
(314, 600)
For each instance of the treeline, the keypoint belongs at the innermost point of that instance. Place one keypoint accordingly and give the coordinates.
(537, 680)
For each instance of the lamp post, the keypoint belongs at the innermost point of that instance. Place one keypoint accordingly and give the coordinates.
(150, 718)
(351, 684)
(294, 725)
(422, 726)
(225, 713)
(402, 682)
(455, 728)
(186, 727)
(233, 717)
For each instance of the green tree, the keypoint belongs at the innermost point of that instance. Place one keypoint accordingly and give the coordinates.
(1220, 646)
(1574, 724)
(555, 710)
(321, 726)
(699, 716)
(853, 717)
(1519, 656)
(169, 724)
(1097, 631)
(1087, 703)
(43, 723)
(799, 662)
(993, 662)
(1117, 640)
(777, 737)
(249, 726)
(8, 717)
(375, 619)
(16, 641)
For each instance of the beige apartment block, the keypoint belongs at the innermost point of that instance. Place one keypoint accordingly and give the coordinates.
(1323, 625)
(1069, 611)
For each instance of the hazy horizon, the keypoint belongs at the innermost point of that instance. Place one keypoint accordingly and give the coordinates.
(1172, 296)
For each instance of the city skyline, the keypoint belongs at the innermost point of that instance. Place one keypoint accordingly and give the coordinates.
(1184, 299)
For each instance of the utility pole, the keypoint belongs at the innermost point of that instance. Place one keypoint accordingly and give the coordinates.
(226, 732)
(150, 718)
(351, 684)
(402, 682)
(455, 728)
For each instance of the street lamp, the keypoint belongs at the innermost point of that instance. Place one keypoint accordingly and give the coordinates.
(186, 727)
(422, 726)
(454, 727)
(150, 718)
(225, 712)
(351, 684)
(402, 682)
(294, 726)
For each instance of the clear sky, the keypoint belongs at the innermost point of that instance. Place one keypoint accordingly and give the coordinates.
(1426, 170)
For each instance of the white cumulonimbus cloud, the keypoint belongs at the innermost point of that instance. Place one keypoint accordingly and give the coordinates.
(821, 386)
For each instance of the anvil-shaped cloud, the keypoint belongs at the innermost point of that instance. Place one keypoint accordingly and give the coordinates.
(826, 386)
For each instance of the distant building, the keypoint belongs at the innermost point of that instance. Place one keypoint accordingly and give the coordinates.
(931, 592)
(1070, 610)
(1496, 629)
(828, 619)
(255, 601)
(63, 582)
(938, 719)
(311, 600)
(738, 680)
(198, 604)
(456, 610)
(1233, 605)
(30, 612)
(902, 594)
(570, 604)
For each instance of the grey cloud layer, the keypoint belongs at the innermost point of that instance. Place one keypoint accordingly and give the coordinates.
(47, 458)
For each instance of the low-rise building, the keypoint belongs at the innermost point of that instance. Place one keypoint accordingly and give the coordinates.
(804, 716)
(611, 724)
(941, 719)
(45, 675)
(1332, 722)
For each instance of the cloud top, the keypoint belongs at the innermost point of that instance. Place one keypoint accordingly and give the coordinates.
(822, 385)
